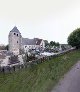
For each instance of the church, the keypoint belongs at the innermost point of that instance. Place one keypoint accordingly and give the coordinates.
(17, 42)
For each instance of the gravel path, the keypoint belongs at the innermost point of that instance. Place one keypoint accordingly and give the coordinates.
(70, 82)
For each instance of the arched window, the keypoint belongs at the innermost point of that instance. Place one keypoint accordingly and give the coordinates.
(25, 46)
(17, 34)
(17, 41)
(14, 33)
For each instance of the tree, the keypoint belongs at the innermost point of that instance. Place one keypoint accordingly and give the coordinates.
(7, 47)
(74, 38)
(52, 43)
(46, 43)
(57, 44)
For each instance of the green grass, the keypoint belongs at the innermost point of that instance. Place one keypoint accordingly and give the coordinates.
(41, 77)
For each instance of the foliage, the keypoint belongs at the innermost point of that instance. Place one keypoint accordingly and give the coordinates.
(46, 43)
(4, 47)
(25, 58)
(28, 58)
(57, 44)
(7, 47)
(32, 57)
(21, 51)
(13, 58)
(74, 38)
(53, 43)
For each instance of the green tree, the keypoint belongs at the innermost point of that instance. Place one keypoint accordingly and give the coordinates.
(52, 43)
(57, 44)
(74, 38)
(46, 43)
(7, 47)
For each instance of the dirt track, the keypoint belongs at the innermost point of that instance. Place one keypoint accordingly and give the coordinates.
(70, 82)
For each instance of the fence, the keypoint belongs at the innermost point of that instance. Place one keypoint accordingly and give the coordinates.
(10, 68)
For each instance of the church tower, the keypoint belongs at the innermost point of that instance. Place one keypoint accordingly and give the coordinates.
(15, 41)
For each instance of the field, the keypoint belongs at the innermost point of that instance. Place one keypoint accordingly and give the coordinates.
(41, 77)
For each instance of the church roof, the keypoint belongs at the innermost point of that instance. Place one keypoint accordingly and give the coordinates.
(15, 30)
(26, 41)
(35, 41)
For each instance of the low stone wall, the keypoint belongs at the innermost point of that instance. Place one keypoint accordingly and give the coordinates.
(10, 69)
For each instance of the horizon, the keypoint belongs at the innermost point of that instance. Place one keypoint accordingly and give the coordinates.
(51, 20)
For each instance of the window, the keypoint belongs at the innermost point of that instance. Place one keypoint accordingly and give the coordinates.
(25, 46)
(17, 34)
(14, 33)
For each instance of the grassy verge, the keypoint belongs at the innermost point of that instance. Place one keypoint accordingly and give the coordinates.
(41, 77)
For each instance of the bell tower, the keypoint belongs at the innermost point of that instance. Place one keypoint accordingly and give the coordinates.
(15, 41)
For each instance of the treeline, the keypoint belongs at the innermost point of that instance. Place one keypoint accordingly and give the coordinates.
(51, 43)
(4, 47)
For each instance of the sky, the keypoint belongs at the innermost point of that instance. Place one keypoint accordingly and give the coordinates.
(51, 20)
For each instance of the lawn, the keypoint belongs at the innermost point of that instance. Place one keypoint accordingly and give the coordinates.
(41, 77)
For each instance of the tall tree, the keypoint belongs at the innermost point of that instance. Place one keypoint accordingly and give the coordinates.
(74, 38)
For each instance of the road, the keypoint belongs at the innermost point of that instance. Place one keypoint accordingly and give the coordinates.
(70, 82)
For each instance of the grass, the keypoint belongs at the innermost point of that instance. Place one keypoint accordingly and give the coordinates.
(41, 77)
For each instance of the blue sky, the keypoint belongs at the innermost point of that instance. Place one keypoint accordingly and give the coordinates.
(47, 19)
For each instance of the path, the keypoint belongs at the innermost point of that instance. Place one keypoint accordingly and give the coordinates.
(70, 82)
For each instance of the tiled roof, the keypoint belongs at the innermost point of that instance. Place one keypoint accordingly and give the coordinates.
(26, 41)
(35, 41)
(15, 30)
